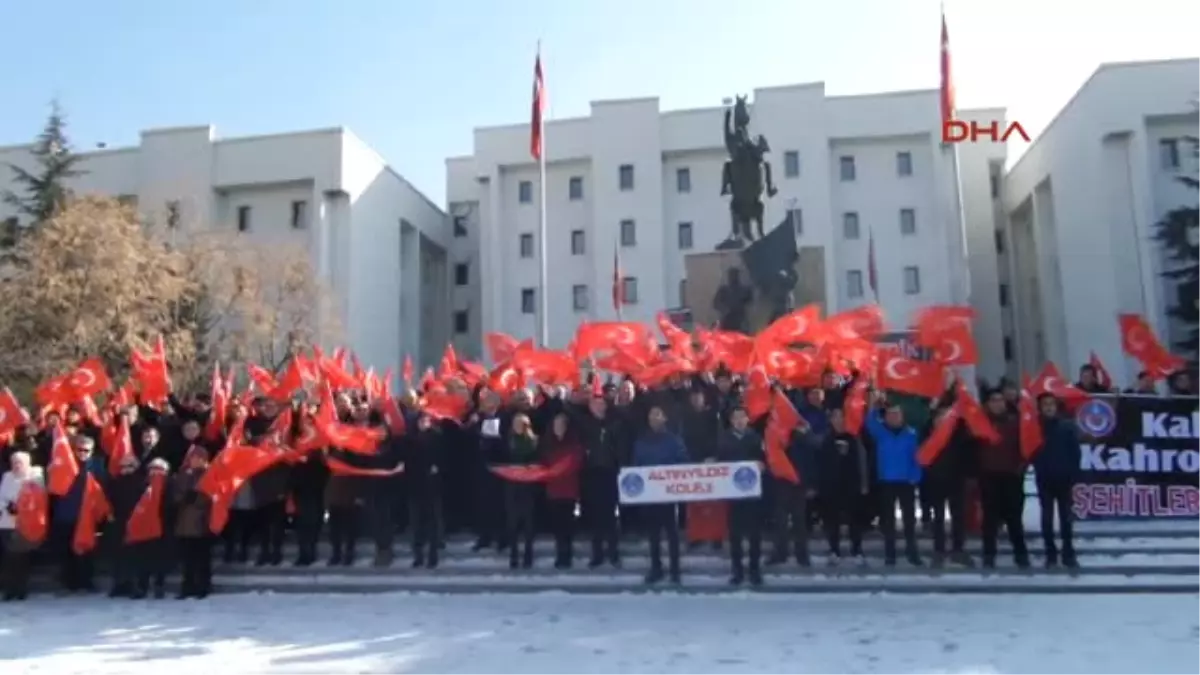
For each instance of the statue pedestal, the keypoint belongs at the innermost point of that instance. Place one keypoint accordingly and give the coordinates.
(706, 273)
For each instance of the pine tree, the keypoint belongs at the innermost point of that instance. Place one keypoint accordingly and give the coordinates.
(44, 191)
(1177, 233)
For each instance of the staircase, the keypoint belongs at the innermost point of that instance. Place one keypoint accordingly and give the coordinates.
(1125, 557)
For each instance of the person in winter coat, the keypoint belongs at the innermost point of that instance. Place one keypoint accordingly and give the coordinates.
(1002, 483)
(843, 483)
(658, 447)
(123, 491)
(152, 559)
(1056, 468)
(602, 435)
(945, 482)
(898, 474)
(77, 570)
(489, 427)
(1089, 380)
(422, 469)
(18, 553)
(742, 444)
(701, 425)
(520, 498)
(192, 527)
(562, 493)
(343, 499)
(790, 500)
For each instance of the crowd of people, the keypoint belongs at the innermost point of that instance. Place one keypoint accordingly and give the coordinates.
(438, 475)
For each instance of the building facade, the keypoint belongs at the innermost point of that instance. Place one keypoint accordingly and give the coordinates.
(1077, 242)
(635, 181)
(377, 242)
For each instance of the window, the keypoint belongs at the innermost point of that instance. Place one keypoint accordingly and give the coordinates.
(528, 301)
(579, 297)
(628, 233)
(526, 245)
(461, 274)
(460, 322)
(850, 225)
(797, 218)
(846, 165)
(299, 214)
(683, 293)
(243, 218)
(575, 189)
(173, 214)
(994, 179)
(903, 163)
(685, 236)
(912, 280)
(1168, 153)
(460, 226)
(629, 290)
(791, 164)
(908, 221)
(999, 241)
(1008, 349)
(1004, 295)
(683, 180)
(854, 284)
(578, 246)
(625, 177)
(525, 192)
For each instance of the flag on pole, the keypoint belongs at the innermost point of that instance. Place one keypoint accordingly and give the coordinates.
(872, 273)
(539, 103)
(947, 90)
(618, 290)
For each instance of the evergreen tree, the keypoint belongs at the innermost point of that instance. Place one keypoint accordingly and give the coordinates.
(1177, 232)
(44, 192)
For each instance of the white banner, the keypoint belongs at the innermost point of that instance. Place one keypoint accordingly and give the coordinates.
(689, 482)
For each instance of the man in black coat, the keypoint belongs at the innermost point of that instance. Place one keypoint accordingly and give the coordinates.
(742, 444)
(605, 443)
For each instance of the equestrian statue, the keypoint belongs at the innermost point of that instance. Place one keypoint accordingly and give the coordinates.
(744, 176)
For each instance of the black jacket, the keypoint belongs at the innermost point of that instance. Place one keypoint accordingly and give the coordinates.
(605, 440)
(701, 429)
(843, 467)
(744, 447)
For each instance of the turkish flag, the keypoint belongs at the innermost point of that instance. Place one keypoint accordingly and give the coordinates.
(861, 323)
(12, 415)
(943, 431)
(118, 443)
(262, 378)
(151, 372)
(1030, 426)
(536, 123)
(854, 408)
(602, 336)
(33, 512)
(978, 422)
(64, 468)
(1139, 342)
(219, 393)
(88, 379)
(1050, 381)
(94, 510)
(1103, 377)
(445, 406)
(757, 395)
(778, 435)
(802, 325)
(899, 373)
(538, 473)
(145, 522)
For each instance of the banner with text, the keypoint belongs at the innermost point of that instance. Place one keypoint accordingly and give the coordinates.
(689, 482)
(1140, 458)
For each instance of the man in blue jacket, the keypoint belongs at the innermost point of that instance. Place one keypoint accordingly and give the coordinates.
(77, 571)
(1056, 467)
(659, 447)
(898, 473)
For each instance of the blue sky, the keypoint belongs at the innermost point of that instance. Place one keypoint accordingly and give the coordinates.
(414, 78)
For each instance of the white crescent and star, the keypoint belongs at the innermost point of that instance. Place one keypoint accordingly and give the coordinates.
(892, 371)
(955, 353)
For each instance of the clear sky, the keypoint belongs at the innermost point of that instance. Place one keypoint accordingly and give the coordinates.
(414, 77)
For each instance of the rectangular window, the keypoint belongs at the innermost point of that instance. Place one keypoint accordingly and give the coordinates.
(854, 284)
(525, 192)
(528, 301)
(628, 233)
(579, 297)
(999, 241)
(903, 163)
(299, 214)
(1004, 295)
(578, 239)
(461, 322)
(791, 164)
(908, 222)
(243, 219)
(526, 245)
(850, 225)
(846, 168)
(1168, 152)
(1008, 349)
(912, 280)
(460, 226)
(685, 236)
(461, 274)
(683, 180)
(625, 177)
(575, 188)
(629, 290)
(797, 218)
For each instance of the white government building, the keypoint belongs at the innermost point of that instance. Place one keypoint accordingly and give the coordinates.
(378, 243)
(1057, 246)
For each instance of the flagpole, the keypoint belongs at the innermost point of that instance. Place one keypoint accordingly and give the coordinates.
(543, 299)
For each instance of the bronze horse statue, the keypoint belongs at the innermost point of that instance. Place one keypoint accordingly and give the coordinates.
(746, 174)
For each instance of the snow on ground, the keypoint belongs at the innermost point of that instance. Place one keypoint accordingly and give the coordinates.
(573, 633)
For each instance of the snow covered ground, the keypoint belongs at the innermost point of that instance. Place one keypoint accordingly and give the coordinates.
(569, 633)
